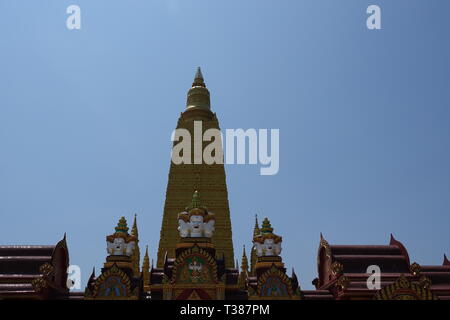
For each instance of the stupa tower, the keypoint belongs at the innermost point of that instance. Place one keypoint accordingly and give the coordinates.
(208, 179)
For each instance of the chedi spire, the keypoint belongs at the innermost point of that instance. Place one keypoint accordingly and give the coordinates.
(198, 95)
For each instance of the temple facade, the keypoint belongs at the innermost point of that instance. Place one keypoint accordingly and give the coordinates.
(195, 258)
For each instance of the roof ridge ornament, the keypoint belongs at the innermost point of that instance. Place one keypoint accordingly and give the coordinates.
(446, 261)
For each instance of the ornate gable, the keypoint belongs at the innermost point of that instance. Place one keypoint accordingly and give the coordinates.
(194, 266)
(403, 289)
(274, 284)
(112, 284)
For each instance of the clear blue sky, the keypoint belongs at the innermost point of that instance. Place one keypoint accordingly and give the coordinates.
(86, 117)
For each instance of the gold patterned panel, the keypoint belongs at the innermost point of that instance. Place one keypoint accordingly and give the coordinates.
(403, 289)
(194, 266)
(274, 284)
(113, 284)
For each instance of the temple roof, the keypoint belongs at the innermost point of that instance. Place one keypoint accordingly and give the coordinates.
(24, 259)
(392, 258)
(350, 262)
(22, 265)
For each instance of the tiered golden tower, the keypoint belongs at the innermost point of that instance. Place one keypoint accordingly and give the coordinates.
(208, 179)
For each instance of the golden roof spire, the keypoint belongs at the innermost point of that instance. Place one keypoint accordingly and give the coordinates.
(244, 262)
(256, 230)
(243, 275)
(198, 79)
(146, 262)
(253, 256)
(146, 268)
(134, 230)
(136, 257)
(198, 95)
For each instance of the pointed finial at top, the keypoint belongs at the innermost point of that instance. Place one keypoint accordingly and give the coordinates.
(256, 230)
(244, 251)
(199, 81)
(446, 262)
(198, 94)
(92, 277)
(198, 74)
(195, 202)
(266, 227)
(134, 229)
(122, 226)
(244, 261)
(146, 262)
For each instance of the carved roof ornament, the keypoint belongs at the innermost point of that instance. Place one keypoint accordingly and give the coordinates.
(195, 266)
(46, 269)
(343, 282)
(415, 269)
(395, 242)
(425, 282)
(266, 232)
(121, 242)
(267, 243)
(39, 284)
(324, 244)
(337, 269)
(42, 282)
(274, 284)
(404, 289)
(121, 232)
(113, 284)
(196, 221)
